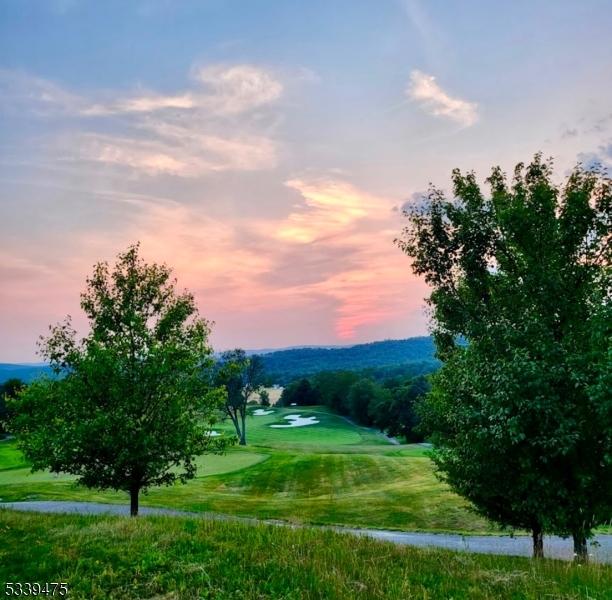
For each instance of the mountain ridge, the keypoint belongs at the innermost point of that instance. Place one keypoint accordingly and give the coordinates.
(284, 364)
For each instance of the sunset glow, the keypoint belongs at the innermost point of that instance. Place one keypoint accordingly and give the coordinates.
(264, 155)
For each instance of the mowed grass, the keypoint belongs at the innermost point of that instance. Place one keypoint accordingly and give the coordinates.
(104, 558)
(331, 430)
(331, 473)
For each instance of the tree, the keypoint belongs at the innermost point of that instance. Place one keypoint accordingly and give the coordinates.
(8, 391)
(395, 412)
(520, 413)
(241, 376)
(360, 395)
(264, 398)
(132, 404)
(300, 393)
(333, 386)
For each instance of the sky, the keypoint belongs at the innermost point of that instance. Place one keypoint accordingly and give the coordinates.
(264, 149)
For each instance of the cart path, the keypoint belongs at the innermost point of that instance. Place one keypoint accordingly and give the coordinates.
(600, 547)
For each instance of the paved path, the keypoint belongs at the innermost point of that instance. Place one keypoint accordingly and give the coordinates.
(554, 547)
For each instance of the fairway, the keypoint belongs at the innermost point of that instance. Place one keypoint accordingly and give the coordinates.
(331, 472)
(331, 429)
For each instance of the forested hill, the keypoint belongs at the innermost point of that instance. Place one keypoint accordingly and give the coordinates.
(25, 372)
(415, 355)
(412, 356)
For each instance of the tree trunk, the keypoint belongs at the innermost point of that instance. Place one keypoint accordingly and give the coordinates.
(236, 423)
(243, 435)
(134, 491)
(538, 541)
(581, 550)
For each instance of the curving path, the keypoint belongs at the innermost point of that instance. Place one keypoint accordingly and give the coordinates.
(600, 547)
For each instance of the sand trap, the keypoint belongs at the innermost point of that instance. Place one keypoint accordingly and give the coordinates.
(298, 421)
(260, 412)
(213, 433)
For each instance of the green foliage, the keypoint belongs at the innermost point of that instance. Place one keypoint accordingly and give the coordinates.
(361, 395)
(390, 405)
(410, 357)
(333, 387)
(134, 401)
(241, 376)
(521, 416)
(8, 391)
(104, 558)
(396, 411)
(264, 398)
(300, 393)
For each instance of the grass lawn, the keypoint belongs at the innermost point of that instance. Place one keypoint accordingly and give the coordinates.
(174, 558)
(329, 473)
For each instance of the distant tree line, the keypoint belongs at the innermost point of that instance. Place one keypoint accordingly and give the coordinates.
(389, 405)
(410, 357)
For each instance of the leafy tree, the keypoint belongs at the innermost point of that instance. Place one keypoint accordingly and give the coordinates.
(264, 398)
(300, 393)
(241, 376)
(8, 390)
(360, 395)
(334, 386)
(396, 412)
(134, 404)
(520, 414)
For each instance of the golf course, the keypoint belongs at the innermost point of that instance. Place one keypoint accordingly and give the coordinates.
(330, 472)
(327, 472)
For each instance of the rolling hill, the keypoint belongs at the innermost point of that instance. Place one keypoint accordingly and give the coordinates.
(26, 372)
(416, 355)
(411, 356)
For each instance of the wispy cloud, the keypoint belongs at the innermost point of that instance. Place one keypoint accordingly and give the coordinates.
(208, 128)
(236, 89)
(331, 207)
(21, 92)
(193, 156)
(217, 89)
(424, 89)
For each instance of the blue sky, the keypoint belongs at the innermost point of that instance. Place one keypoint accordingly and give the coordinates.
(262, 148)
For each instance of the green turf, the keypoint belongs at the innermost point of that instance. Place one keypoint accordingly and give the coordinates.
(332, 430)
(10, 457)
(330, 473)
(104, 558)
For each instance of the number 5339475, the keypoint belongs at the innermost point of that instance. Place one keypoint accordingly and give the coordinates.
(35, 589)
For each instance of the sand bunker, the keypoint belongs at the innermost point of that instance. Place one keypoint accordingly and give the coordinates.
(260, 412)
(298, 421)
(213, 433)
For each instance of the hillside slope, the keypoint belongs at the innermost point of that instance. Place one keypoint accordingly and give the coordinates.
(25, 372)
(417, 352)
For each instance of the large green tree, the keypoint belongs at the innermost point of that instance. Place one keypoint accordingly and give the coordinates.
(521, 411)
(241, 376)
(133, 402)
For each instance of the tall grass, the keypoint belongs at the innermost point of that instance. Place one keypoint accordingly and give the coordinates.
(176, 558)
